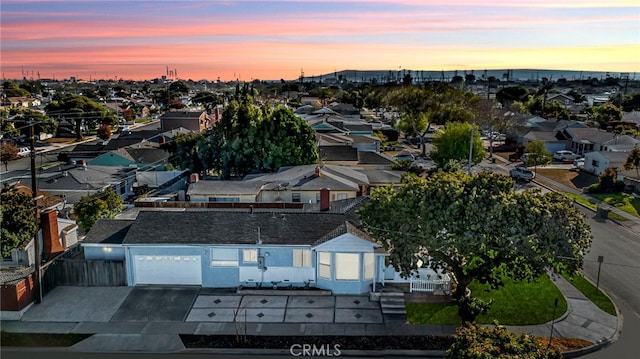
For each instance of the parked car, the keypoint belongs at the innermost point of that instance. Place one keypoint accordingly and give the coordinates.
(579, 163)
(524, 157)
(24, 151)
(405, 157)
(522, 173)
(565, 155)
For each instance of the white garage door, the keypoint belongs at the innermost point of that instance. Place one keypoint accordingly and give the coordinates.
(167, 270)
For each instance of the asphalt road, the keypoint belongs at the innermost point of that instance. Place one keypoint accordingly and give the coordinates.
(620, 278)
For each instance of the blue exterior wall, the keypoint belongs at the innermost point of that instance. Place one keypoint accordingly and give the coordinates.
(279, 258)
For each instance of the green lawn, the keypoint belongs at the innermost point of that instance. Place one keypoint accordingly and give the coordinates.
(596, 296)
(592, 205)
(623, 201)
(519, 303)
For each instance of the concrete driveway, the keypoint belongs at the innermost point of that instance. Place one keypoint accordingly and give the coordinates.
(156, 304)
(78, 304)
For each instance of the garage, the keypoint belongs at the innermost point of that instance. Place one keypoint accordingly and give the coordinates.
(185, 270)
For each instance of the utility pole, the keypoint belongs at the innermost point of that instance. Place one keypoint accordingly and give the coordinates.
(36, 240)
(471, 148)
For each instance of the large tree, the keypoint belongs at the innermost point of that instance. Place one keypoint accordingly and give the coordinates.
(17, 219)
(538, 155)
(246, 139)
(633, 160)
(102, 204)
(454, 143)
(477, 227)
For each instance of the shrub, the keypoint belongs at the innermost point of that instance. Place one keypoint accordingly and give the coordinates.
(476, 342)
(619, 186)
(595, 188)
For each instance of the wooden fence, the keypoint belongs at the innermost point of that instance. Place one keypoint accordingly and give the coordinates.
(83, 273)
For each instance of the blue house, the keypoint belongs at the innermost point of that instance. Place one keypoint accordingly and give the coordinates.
(252, 248)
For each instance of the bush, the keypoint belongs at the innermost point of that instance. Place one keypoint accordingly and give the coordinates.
(476, 342)
(619, 186)
(595, 188)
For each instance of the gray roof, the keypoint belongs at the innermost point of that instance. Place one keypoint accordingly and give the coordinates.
(338, 153)
(205, 187)
(547, 136)
(589, 135)
(383, 177)
(108, 231)
(217, 227)
(374, 158)
(615, 157)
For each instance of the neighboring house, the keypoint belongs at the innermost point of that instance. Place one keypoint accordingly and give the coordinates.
(564, 100)
(24, 102)
(227, 249)
(299, 184)
(196, 121)
(142, 156)
(597, 161)
(549, 131)
(620, 143)
(588, 139)
(328, 121)
(71, 182)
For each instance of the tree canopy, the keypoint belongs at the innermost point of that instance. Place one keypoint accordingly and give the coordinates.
(246, 139)
(538, 155)
(81, 110)
(17, 219)
(102, 204)
(453, 144)
(633, 160)
(477, 227)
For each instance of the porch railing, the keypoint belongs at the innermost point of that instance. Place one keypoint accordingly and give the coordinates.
(430, 283)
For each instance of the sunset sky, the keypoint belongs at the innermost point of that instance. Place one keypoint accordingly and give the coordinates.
(277, 39)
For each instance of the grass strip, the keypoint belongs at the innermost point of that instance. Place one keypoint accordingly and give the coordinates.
(589, 290)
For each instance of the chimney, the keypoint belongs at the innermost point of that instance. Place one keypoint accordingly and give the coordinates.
(194, 178)
(50, 234)
(324, 199)
(318, 172)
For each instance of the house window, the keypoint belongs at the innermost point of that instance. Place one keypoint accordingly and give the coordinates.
(324, 265)
(595, 163)
(302, 258)
(348, 266)
(224, 199)
(317, 197)
(224, 257)
(295, 197)
(342, 196)
(250, 255)
(368, 265)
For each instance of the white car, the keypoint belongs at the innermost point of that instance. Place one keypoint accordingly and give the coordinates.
(24, 151)
(579, 163)
(565, 155)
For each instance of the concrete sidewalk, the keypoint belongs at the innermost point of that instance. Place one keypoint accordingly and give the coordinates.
(583, 320)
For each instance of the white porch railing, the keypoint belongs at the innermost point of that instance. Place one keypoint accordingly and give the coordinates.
(426, 281)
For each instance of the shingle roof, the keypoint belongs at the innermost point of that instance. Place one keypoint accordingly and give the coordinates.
(338, 153)
(373, 158)
(173, 115)
(13, 275)
(589, 135)
(111, 231)
(216, 227)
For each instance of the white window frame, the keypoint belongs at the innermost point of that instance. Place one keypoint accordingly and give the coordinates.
(224, 257)
(250, 255)
(324, 265)
(369, 264)
(342, 196)
(302, 258)
(348, 266)
(296, 197)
